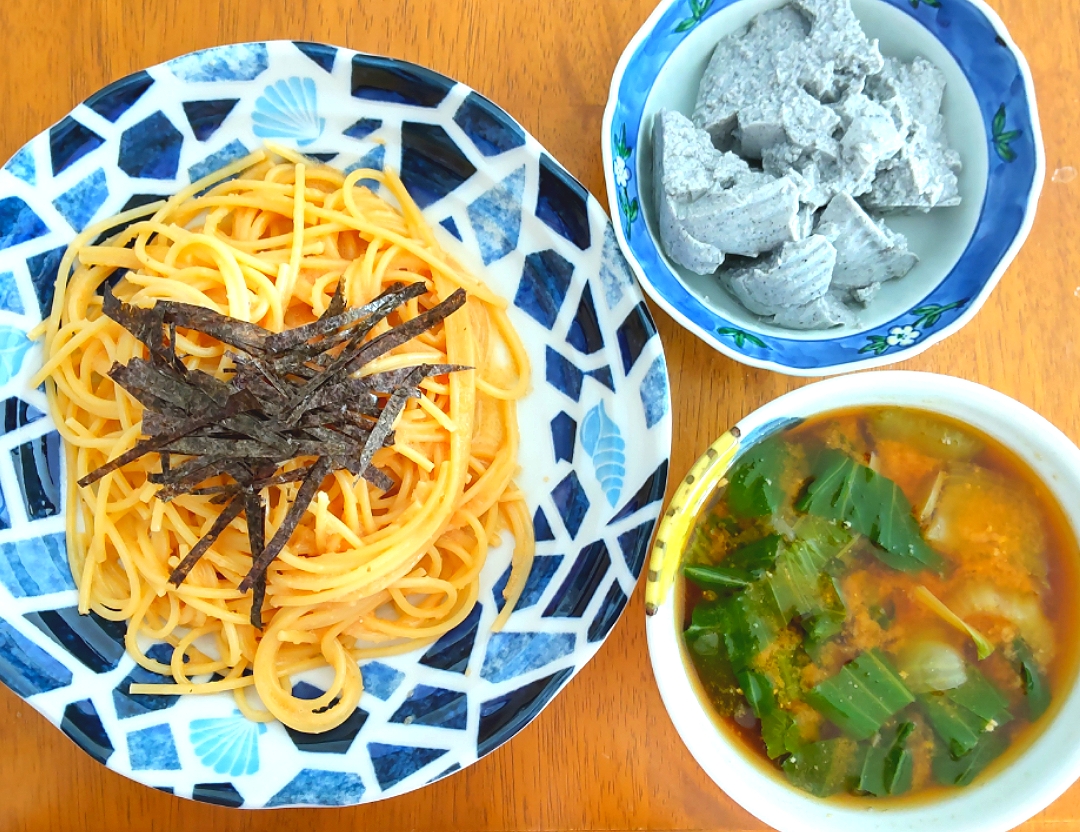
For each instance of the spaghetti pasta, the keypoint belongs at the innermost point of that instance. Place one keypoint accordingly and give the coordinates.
(269, 240)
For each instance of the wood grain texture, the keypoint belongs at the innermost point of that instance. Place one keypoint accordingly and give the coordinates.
(604, 755)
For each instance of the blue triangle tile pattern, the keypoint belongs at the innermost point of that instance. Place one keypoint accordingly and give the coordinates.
(563, 433)
(236, 62)
(22, 166)
(431, 164)
(216, 161)
(451, 226)
(510, 655)
(654, 392)
(83, 726)
(603, 375)
(37, 467)
(634, 333)
(380, 680)
(505, 715)
(572, 502)
(543, 569)
(19, 223)
(452, 651)
(220, 794)
(69, 141)
(440, 707)
(79, 204)
(151, 148)
(372, 160)
(130, 704)
(486, 182)
(491, 130)
(635, 545)
(585, 332)
(496, 217)
(153, 749)
(545, 280)
(577, 591)
(95, 641)
(43, 268)
(562, 203)
(316, 787)
(25, 667)
(541, 527)
(119, 97)
(320, 53)
(385, 79)
(650, 492)
(362, 128)
(605, 619)
(205, 117)
(10, 299)
(35, 567)
(337, 740)
(393, 763)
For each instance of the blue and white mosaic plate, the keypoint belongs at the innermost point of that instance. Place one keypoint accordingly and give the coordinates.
(990, 119)
(597, 420)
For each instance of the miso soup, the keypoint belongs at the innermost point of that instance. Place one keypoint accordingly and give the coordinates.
(879, 602)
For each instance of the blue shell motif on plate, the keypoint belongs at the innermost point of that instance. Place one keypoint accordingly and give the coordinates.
(289, 110)
(228, 745)
(603, 442)
(498, 204)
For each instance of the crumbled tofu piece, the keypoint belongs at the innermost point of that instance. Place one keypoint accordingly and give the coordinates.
(865, 294)
(923, 175)
(807, 220)
(867, 252)
(836, 52)
(796, 275)
(735, 86)
(823, 313)
(712, 203)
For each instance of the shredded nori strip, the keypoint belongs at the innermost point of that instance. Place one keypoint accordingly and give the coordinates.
(290, 396)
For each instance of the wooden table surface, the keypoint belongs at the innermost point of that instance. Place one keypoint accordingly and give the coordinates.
(604, 755)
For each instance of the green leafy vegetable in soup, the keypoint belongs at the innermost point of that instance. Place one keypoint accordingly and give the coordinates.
(874, 602)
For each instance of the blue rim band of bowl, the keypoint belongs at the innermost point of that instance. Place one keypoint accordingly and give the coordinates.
(1006, 96)
(586, 326)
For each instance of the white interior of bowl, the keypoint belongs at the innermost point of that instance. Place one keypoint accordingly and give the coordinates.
(998, 800)
(938, 238)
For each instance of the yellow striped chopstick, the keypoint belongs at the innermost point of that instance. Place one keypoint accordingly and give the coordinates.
(681, 513)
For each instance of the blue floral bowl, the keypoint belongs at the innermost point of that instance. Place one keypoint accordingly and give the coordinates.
(599, 387)
(991, 119)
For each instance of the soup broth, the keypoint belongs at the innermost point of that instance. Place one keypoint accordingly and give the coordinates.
(877, 602)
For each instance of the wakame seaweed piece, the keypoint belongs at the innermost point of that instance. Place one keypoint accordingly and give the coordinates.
(953, 771)
(227, 515)
(315, 475)
(825, 767)
(755, 487)
(864, 695)
(873, 505)
(1036, 685)
(888, 765)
